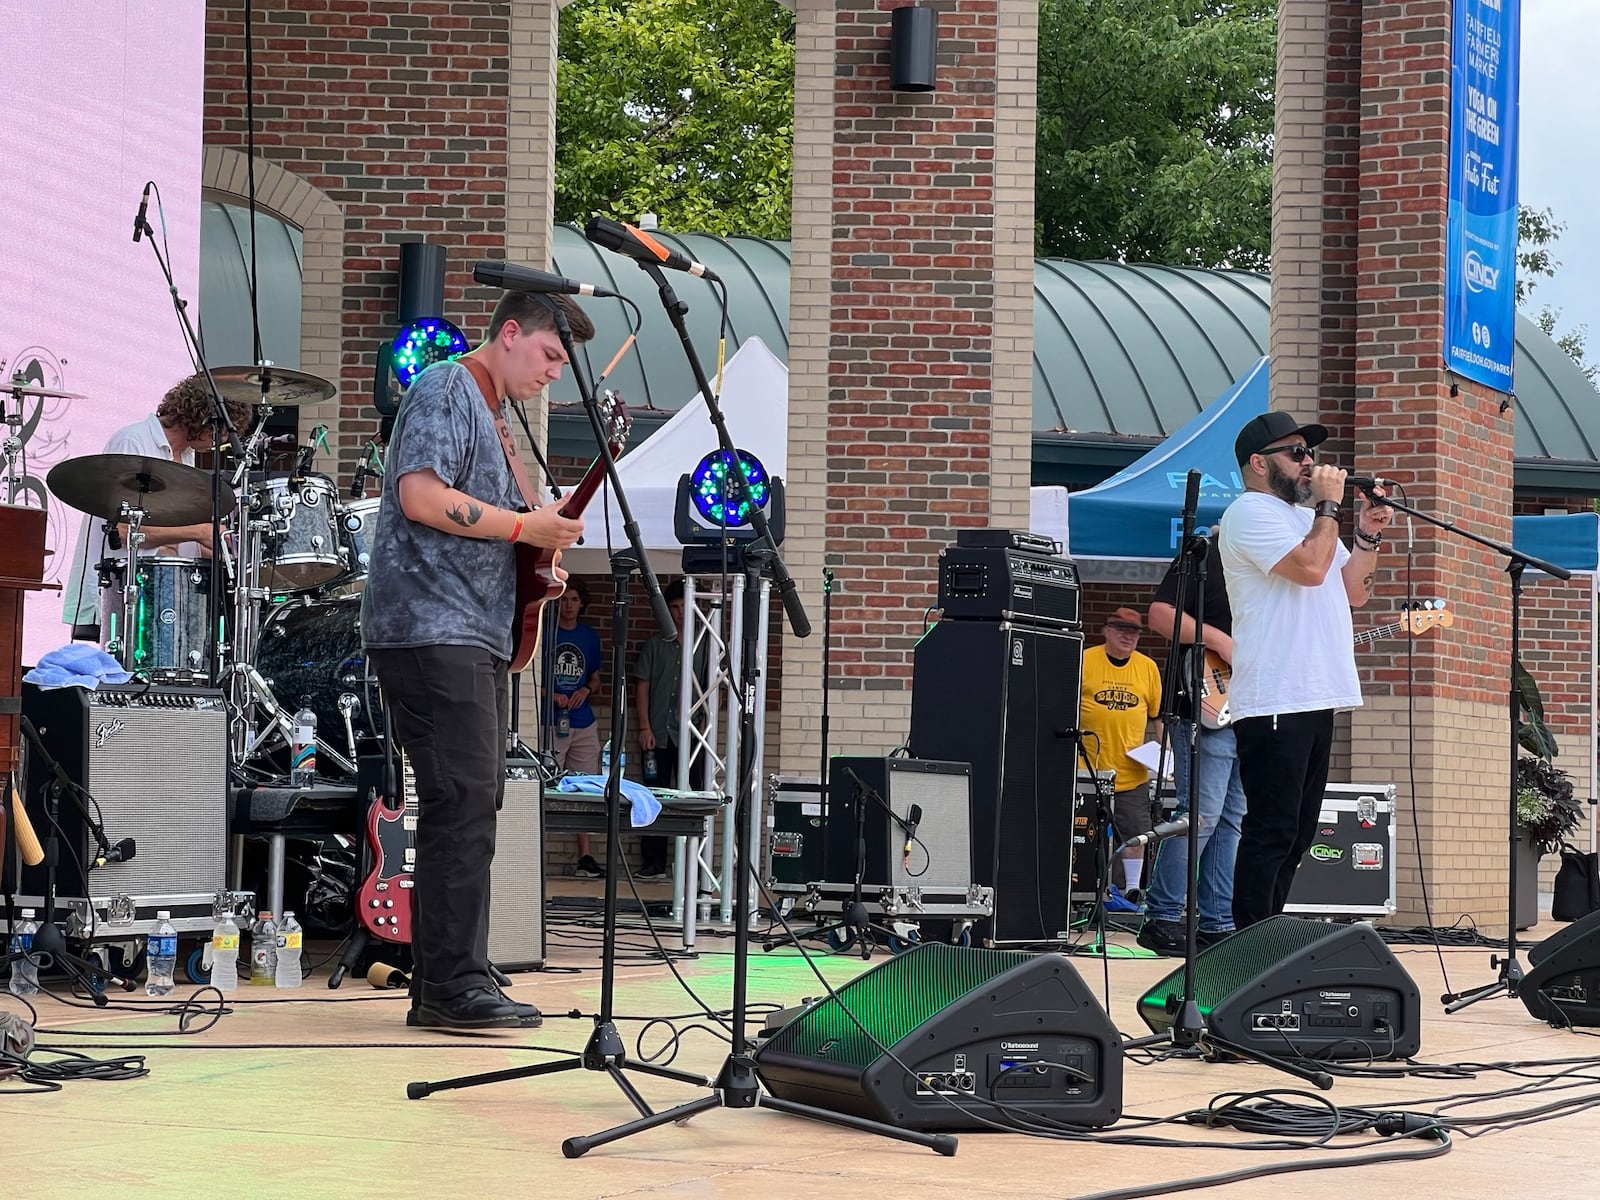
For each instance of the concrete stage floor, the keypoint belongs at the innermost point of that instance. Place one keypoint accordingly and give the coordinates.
(307, 1099)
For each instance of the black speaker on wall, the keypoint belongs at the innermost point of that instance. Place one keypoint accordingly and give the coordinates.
(913, 48)
(967, 1031)
(1562, 984)
(1002, 697)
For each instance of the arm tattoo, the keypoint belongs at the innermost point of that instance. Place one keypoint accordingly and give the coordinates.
(466, 515)
(1367, 582)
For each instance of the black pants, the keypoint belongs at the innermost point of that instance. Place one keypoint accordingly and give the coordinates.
(449, 708)
(1283, 765)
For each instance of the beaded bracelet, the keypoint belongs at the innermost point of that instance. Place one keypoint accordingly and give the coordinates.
(1370, 540)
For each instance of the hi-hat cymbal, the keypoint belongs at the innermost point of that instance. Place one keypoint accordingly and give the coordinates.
(171, 493)
(285, 388)
(19, 389)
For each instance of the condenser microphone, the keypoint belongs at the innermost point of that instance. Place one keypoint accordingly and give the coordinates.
(1163, 831)
(513, 278)
(639, 245)
(144, 207)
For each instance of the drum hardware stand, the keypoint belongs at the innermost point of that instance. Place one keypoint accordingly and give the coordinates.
(123, 644)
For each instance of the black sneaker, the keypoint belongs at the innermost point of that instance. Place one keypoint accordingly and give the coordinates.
(587, 868)
(1166, 938)
(1210, 937)
(651, 873)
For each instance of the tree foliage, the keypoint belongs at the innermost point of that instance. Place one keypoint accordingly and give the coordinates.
(683, 108)
(1155, 130)
(1537, 233)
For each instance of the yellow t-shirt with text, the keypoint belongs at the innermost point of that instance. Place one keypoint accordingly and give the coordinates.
(1116, 706)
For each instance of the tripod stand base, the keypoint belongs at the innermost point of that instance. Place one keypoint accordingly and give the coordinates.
(737, 1086)
(1508, 984)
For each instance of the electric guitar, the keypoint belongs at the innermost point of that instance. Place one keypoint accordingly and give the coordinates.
(1216, 675)
(536, 576)
(384, 900)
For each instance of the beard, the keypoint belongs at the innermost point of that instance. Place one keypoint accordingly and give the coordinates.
(1290, 488)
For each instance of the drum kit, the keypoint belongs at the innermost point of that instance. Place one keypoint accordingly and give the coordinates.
(293, 562)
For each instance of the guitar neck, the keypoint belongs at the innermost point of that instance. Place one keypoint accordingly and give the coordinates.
(573, 504)
(1367, 636)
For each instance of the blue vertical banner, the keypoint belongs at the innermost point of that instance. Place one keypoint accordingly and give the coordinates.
(1481, 242)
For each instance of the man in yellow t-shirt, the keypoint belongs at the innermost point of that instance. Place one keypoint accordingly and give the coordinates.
(1121, 696)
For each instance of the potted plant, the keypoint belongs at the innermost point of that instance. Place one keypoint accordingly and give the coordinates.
(1548, 815)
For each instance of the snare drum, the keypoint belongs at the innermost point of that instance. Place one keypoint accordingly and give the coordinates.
(358, 523)
(304, 549)
(165, 636)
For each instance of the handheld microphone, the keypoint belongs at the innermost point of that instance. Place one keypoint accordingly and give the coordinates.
(637, 244)
(913, 819)
(144, 207)
(1366, 483)
(513, 278)
(1163, 831)
(121, 852)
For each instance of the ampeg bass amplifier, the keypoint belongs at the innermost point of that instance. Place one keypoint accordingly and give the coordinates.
(1004, 575)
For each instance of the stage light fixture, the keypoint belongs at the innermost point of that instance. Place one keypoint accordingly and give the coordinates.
(718, 498)
(423, 342)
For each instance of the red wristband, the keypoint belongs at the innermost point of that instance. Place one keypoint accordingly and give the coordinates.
(516, 529)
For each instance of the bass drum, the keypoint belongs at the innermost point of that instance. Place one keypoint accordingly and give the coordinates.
(312, 648)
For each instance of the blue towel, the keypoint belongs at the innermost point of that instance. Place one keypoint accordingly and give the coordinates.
(77, 664)
(641, 800)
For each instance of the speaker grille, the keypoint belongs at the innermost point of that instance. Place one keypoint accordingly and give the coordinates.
(1235, 964)
(516, 882)
(889, 1002)
(946, 830)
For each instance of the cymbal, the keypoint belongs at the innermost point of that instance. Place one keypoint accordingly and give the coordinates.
(171, 493)
(286, 388)
(15, 388)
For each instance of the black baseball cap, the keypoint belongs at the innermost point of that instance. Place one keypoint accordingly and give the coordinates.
(1260, 432)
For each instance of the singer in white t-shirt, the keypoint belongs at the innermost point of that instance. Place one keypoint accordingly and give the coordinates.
(1292, 584)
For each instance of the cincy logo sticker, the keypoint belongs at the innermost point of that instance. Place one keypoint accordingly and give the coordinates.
(1322, 852)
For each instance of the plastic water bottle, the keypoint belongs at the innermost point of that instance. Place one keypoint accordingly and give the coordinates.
(286, 972)
(563, 723)
(24, 971)
(225, 954)
(303, 747)
(161, 956)
(263, 951)
(605, 760)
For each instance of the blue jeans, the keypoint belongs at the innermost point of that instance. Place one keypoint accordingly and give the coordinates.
(1221, 797)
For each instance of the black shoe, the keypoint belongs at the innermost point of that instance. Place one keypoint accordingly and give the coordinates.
(1210, 937)
(1166, 938)
(587, 868)
(475, 1008)
(527, 1015)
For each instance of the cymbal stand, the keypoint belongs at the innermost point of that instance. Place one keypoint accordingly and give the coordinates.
(12, 447)
(123, 644)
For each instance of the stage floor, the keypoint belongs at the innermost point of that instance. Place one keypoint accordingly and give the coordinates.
(307, 1099)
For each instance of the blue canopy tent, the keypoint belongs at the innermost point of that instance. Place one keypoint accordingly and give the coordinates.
(1570, 540)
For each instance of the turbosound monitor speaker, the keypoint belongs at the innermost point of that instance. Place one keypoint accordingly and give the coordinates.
(971, 1029)
(1562, 984)
(938, 793)
(1004, 697)
(1290, 986)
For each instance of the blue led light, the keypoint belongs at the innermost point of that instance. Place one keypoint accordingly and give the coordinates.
(422, 343)
(716, 494)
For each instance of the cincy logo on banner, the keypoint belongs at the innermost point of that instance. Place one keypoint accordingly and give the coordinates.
(1480, 270)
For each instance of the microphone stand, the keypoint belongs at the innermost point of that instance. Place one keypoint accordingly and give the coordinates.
(1510, 971)
(605, 1051)
(1188, 1031)
(222, 430)
(737, 1084)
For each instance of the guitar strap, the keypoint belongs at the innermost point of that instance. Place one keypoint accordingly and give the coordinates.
(508, 443)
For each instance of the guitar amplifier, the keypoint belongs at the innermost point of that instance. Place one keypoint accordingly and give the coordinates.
(998, 575)
(155, 760)
(516, 882)
(941, 855)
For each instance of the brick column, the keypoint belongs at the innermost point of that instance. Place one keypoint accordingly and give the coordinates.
(1366, 233)
(910, 398)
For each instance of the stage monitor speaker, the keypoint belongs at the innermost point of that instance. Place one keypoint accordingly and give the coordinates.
(516, 882)
(971, 1029)
(1562, 983)
(1288, 986)
(155, 760)
(941, 859)
(1003, 697)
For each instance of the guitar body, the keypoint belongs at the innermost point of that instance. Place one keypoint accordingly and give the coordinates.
(1215, 676)
(384, 900)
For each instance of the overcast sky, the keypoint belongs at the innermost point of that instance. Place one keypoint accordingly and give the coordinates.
(1561, 150)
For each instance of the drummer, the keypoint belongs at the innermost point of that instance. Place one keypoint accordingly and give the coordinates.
(180, 425)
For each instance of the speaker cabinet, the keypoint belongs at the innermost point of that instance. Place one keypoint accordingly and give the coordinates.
(1290, 986)
(940, 859)
(1000, 696)
(155, 761)
(973, 1028)
(516, 882)
(1562, 984)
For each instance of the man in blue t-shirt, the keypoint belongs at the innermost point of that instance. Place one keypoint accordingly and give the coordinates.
(572, 673)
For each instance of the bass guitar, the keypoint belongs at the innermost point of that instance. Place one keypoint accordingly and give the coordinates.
(1216, 675)
(536, 565)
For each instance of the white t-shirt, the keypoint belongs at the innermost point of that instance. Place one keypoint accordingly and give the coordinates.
(81, 605)
(1293, 646)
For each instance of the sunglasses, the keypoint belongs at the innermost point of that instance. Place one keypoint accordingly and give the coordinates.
(1299, 453)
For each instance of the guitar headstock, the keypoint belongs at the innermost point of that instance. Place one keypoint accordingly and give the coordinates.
(615, 419)
(1426, 615)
